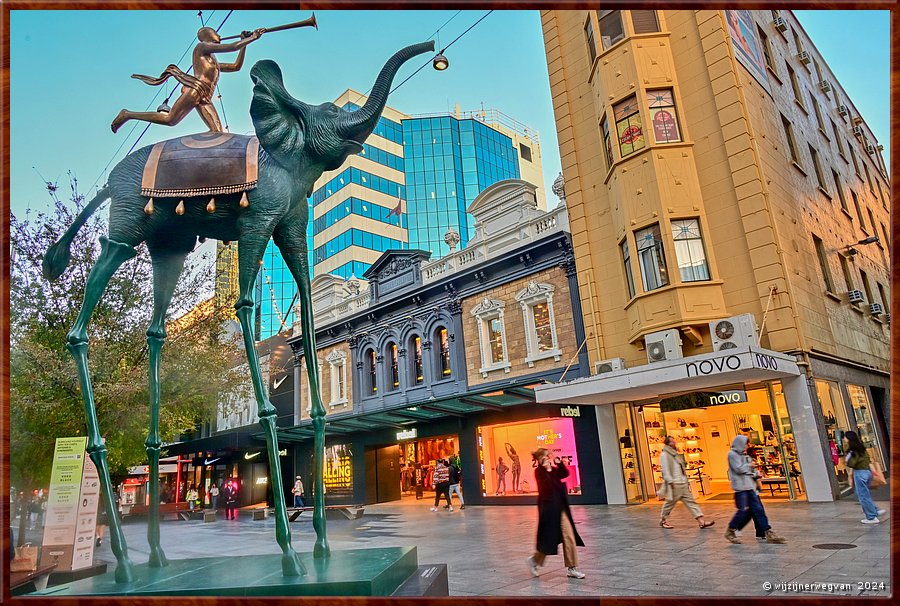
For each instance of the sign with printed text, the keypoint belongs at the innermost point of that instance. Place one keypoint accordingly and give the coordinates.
(702, 399)
(70, 522)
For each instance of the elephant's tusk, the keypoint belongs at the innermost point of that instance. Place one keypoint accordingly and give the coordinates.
(149, 208)
(244, 201)
(179, 210)
(211, 207)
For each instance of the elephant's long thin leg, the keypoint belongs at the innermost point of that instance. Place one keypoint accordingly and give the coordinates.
(112, 255)
(291, 241)
(167, 267)
(250, 252)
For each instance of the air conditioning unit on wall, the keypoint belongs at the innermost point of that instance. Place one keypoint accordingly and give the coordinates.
(663, 345)
(604, 366)
(825, 85)
(803, 57)
(876, 309)
(780, 24)
(858, 131)
(855, 296)
(736, 331)
(842, 110)
(870, 149)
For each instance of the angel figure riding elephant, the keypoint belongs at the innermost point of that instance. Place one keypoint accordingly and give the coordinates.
(232, 188)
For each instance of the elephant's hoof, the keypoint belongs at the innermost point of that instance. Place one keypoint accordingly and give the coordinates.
(157, 558)
(291, 566)
(125, 571)
(321, 549)
(119, 120)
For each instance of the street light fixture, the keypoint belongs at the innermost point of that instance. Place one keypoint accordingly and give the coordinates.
(440, 62)
(870, 240)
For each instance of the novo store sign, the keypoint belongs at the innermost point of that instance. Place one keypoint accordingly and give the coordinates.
(702, 399)
(730, 363)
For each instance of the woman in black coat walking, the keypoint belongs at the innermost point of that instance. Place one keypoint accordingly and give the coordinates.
(555, 524)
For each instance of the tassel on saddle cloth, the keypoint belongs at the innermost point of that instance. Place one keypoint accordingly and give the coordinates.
(206, 164)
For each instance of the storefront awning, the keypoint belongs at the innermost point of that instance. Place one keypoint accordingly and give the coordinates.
(235, 440)
(649, 381)
(401, 417)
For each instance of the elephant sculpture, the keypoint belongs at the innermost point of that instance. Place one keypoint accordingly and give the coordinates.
(296, 144)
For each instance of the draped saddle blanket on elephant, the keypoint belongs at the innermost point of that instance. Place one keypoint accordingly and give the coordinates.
(205, 164)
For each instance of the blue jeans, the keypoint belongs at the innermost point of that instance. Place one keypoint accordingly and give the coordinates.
(454, 488)
(749, 507)
(861, 479)
(298, 500)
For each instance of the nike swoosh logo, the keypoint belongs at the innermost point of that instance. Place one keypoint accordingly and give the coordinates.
(208, 461)
(249, 455)
(278, 383)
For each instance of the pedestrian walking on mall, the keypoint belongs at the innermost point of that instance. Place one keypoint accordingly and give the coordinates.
(192, 496)
(676, 485)
(501, 470)
(858, 460)
(102, 523)
(743, 477)
(555, 524)
(297, 490)
(230, 494)
(455, 477)
(214, 496)
(441, 484)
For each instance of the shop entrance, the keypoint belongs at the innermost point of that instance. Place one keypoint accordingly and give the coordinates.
(704, 430)
(383, 474)
(417, 459)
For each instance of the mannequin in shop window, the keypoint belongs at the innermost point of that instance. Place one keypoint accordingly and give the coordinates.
(516, 466)
(676, 485)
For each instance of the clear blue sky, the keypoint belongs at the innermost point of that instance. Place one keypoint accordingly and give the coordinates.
(70, 75)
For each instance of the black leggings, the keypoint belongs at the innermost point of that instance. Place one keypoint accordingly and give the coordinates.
(441, 489)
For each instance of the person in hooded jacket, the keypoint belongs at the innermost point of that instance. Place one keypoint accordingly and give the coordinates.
(742, 475)
(677, 485)
(555, 524)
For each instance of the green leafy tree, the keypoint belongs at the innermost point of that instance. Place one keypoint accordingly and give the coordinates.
(199, 363)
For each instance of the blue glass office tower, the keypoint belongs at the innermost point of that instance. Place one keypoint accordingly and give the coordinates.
(448, 163)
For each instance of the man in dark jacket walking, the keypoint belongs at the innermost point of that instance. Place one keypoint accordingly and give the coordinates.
(742, 475)
(441, 484)
(555, 524)
(454, 486)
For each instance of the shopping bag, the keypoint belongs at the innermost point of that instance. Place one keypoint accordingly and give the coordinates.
(662, 492)
(877, 476)
(26, 558)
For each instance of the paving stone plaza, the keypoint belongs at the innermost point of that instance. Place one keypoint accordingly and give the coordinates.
(627, 554)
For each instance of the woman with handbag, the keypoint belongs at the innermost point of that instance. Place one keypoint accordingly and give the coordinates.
(677, 486)
(858, 460)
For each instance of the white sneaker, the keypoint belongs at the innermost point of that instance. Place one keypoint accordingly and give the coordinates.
(434, 509)
(450, 509)
(872, 521)
(881, 512)
(574, 573)
(532, 566)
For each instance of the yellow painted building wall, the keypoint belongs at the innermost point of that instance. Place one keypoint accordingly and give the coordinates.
(731, 170)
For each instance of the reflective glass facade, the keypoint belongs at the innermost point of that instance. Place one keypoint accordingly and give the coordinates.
(354, 237)
(448, 163)
(361, 208)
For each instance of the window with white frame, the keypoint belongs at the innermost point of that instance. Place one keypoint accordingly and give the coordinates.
(541, 339)
(492, 336)
(651, 258)
(689, 253)
(337, 361)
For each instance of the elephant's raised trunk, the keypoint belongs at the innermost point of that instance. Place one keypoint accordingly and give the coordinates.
(359, 124)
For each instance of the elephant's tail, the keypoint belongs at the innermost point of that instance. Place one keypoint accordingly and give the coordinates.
(58, 255)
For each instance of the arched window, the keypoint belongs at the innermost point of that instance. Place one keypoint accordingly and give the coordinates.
(442, 347)
(394, 361)
(417, 368)
(371, 370)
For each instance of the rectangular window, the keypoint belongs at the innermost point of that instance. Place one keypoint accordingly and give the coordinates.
(446, 369)
(589, 39)
(859, 214)
(628, 125)
(525, 152)
(418, 367)
(817, 110)
(662, 116)
(823, 263)
(652, 258)
(887, 240)
(789, 135)
(607, 142)
(795, 84)
(542, 329)
(885, 299)
(815, 158)
(495, 339)
(872, 224)
(629, 275)
(855, 161)
(767, 51)
(838, 139)
(866, 286)
(644, 22)
(373, 371)
(395, 365)
(839, 188)
(611, 29)
(848, 274)
(797, 42)
(868, 176)
(689, 252)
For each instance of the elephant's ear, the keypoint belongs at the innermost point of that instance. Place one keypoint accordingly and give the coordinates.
(279, 119)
